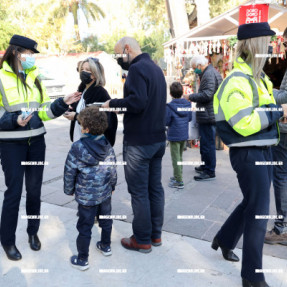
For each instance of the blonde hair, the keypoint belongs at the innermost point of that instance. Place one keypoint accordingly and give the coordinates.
(248, 49)
(97, 70)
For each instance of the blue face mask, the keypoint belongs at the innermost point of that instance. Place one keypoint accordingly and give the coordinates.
(197, 71)
(29, 63)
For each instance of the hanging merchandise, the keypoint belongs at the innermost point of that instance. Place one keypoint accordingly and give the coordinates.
(205, 49)
(210, 48)
(218, 46)
(214, 47)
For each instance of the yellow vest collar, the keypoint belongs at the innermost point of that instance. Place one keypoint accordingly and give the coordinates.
(34, 69)
(240, 64)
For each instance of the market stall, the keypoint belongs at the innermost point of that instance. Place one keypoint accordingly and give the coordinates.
(217, 40)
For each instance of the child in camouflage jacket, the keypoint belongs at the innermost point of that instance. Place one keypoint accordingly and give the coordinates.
(90, 174)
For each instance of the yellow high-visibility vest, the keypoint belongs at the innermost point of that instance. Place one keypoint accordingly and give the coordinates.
(240, 120)
(14, 97)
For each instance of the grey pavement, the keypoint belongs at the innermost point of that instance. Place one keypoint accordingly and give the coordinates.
(186, 241)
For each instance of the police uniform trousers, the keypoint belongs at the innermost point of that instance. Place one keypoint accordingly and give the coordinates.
(254, 177)
(13, 155)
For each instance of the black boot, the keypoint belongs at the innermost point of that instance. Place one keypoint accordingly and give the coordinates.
(12, 252)
(246, 283)
(35, 243)
(227, 253)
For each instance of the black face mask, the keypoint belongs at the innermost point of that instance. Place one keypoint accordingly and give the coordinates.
(85, 77)
(124, 65)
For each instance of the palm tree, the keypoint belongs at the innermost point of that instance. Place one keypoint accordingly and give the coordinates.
(90, 10)
(55, 11)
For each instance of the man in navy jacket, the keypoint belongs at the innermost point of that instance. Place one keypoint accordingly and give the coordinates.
(144, 142)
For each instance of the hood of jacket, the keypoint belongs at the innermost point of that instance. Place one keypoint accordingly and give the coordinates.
(97, 146)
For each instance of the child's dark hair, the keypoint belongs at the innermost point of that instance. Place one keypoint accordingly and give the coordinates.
(285, 33)
(176, 90)
(94, 120)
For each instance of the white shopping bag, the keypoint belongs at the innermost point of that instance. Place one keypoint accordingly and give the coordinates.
(193, 132)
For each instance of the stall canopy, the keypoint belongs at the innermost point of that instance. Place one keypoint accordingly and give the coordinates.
(226, 25)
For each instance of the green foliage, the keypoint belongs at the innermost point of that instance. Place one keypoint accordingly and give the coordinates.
(44, 21)
(7, 31)
(153, 44)
(218, 7)
(232, 41)
(153, 10)
(91, 44)
(108, 41)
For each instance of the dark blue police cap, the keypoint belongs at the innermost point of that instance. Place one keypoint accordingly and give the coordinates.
(253, 30)
(24, 42)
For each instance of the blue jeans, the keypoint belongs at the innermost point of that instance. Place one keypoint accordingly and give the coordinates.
(280, 183)
(254, 181)
(86, 222)
(143, 176)
(12, 154)
(207, 147)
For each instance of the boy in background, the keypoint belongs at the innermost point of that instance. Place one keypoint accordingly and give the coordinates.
(178, 115)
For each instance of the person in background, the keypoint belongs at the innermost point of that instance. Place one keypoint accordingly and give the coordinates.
(90, 176)
(177, 134)
(210, 80)
(247, 121)
(24, 105)
(144, 142)
(278, 235)
(93, 80)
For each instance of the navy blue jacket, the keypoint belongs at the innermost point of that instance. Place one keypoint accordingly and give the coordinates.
(145, 100)
(177, 121)
(89, 172)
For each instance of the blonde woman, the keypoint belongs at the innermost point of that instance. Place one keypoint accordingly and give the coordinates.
(93, 80)
(247, 121)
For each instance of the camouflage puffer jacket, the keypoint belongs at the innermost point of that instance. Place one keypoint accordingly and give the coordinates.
(89, 170)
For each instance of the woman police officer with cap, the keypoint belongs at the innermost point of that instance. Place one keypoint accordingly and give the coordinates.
(247, 121)
(24, 104)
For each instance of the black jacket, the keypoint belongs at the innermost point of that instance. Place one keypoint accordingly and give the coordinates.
(98, 94)
(210, 80)
(145, 101)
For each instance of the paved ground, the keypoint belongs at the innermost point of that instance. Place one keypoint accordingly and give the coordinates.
(186, 242)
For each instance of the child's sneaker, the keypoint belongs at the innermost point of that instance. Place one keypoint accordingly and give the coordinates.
(79, 264)
(107, 251)
(176, 184)
(171, 179)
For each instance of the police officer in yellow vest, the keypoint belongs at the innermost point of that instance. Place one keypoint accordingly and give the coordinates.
(24, 104)
(247, 121)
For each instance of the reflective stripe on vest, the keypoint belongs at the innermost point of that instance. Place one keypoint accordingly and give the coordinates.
(242, 113)
(266, 142)
(22, 134)
(47, 115)
(2, 112)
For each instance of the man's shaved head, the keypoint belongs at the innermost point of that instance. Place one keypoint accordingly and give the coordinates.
(131, 42)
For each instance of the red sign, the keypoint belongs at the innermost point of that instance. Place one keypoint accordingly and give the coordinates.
(257, 13)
